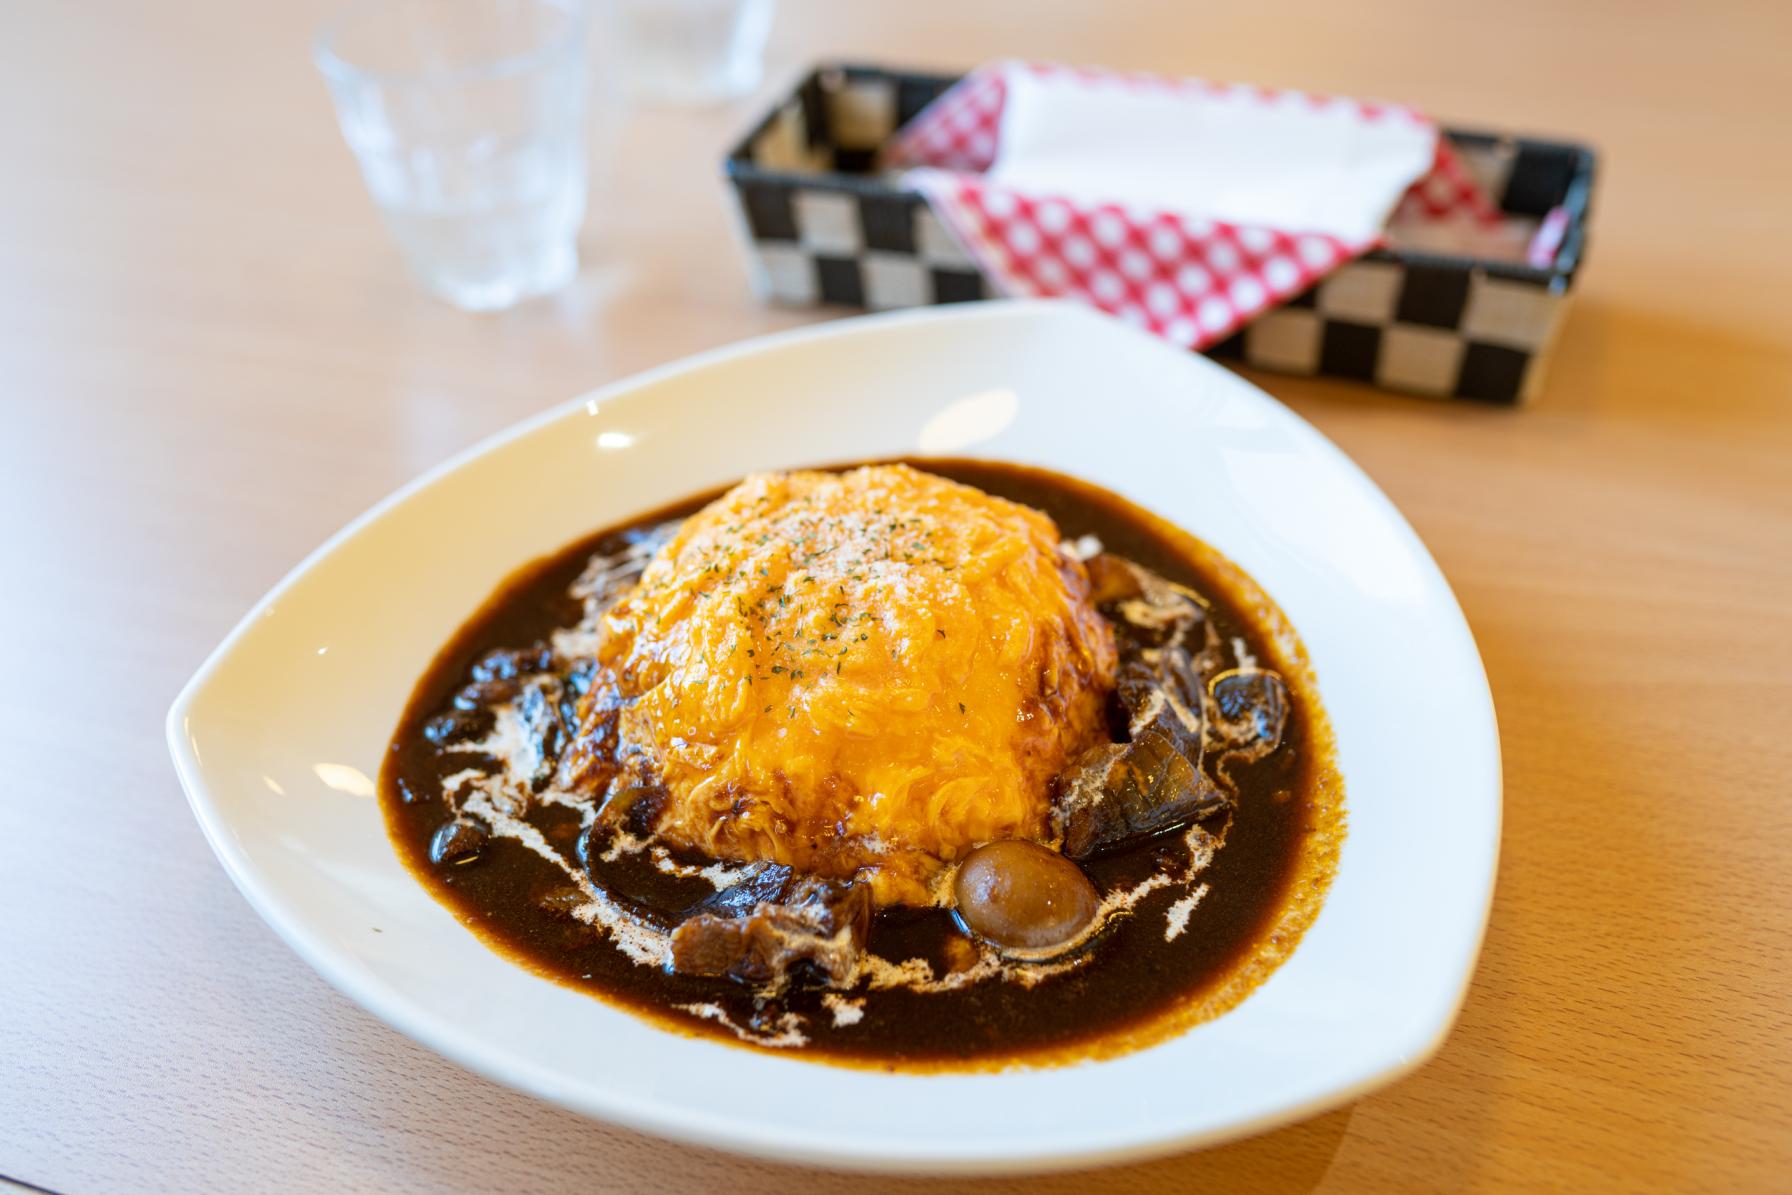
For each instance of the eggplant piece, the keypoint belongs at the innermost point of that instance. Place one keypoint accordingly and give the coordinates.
(510, 663)
(1119, 793)
(1147, 610)
(1111, 578)
(608, 575)
(484, 694)
(643, 542)
(1165, 641)
(574, 684)
(1250, 713)
(631, 809)
(1159, 689)
(589, 761)
(538, 715)
(590, 703)
(448, 731)
(762, 883)
(457, 842)
(774, 927)
(1153, 780)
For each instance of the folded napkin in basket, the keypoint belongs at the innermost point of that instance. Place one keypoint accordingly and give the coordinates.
(1186, 207)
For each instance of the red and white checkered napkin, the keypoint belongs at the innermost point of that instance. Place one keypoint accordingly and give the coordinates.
(1186, 207)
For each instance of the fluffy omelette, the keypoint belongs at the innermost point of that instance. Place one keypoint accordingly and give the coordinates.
(865, 673)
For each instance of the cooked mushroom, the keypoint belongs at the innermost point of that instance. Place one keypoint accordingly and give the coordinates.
(1023, 896)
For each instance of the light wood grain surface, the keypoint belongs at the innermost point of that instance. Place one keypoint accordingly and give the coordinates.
(210, 359)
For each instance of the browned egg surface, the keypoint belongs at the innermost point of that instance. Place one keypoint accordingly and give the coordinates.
(1181, 953)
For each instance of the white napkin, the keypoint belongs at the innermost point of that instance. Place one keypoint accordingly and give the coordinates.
(1188, 208)
(1279, 160)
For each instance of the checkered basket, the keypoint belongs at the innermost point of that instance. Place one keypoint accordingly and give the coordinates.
(823, 227)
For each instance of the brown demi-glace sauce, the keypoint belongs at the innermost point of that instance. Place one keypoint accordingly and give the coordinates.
(1263, 887)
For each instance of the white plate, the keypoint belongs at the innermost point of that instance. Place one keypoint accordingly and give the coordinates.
(279, 735)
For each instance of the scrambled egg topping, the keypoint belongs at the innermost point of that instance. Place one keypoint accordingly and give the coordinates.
(863, 673)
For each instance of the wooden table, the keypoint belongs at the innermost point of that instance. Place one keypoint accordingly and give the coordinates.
(210, 359)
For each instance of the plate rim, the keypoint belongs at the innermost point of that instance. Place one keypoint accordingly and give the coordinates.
(964, 1158)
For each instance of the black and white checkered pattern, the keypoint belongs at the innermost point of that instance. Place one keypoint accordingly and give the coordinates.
(822, 227)
(1444, 331)
(821, 245)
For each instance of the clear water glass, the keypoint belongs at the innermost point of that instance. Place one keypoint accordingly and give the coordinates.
(468, 120)
(690, 51)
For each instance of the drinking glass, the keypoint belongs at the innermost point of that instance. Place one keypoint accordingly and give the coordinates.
(468, 120)
(691, 51)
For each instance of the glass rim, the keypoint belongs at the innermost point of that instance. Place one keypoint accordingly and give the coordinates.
(334, 66)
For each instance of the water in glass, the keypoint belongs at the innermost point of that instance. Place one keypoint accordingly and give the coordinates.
(467, 118)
